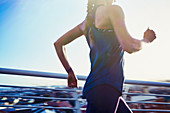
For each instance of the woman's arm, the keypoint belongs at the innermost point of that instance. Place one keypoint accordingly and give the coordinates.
(65, 39)
(60, 49)
(127, 42)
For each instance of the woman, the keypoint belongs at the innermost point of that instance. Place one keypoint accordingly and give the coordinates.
(108, 38)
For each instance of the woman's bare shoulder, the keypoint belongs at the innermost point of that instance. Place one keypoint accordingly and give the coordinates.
(115, 11)
(115, 8)
(82, 25)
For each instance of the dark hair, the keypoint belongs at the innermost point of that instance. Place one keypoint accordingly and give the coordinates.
(89, 21)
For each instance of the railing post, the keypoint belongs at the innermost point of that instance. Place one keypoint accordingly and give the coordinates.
(77, 103)
(126, 89)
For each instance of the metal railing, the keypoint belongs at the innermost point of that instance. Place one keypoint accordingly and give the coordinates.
(77, 97)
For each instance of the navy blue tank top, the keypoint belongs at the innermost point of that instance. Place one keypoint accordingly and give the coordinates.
(106, 57)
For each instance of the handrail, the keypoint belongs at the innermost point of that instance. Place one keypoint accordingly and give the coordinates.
(38, 97)
(145, 110)
(47, 107)
(151, 110)
(143, 94)
(36, 73)
(143, 102)
(61, 89)
(148, 83)
(80, 77)
(48, 98)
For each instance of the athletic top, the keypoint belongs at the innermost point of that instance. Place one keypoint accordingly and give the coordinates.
(106, 57)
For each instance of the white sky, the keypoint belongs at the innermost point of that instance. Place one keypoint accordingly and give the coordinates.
(28, 29)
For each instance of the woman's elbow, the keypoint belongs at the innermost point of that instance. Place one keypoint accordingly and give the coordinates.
(131, 49)
(127, 50)
(57, 43)
(57, 46)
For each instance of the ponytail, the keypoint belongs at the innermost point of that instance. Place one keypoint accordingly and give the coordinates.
(89, 21)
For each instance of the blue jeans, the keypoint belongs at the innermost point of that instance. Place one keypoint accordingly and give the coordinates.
(106, 99)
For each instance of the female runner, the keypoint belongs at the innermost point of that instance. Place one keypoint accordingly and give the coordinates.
(108, 38)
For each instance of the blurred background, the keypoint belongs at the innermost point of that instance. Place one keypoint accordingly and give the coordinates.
(28, 29)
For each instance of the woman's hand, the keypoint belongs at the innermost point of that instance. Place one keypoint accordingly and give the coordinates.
(149, 35)
(72, 80)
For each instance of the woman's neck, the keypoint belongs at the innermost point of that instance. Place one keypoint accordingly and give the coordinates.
(103, 2)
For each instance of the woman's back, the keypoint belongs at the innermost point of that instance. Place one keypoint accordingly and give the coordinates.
(106, 55)
(102, 18)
